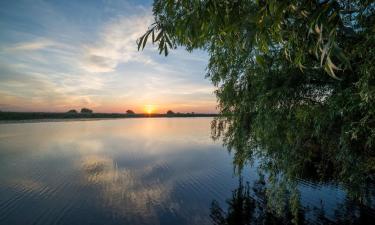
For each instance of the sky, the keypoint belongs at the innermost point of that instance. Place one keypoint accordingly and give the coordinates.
(60, 55)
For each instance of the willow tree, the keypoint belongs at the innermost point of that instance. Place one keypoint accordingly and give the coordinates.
(295, 80)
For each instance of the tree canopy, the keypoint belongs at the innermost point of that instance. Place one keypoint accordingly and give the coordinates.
(72, 111)
(170, 112)
(131, 112)
(86, 110)
(295, 81)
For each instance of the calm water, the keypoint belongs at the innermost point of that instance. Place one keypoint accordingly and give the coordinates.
(128, 171)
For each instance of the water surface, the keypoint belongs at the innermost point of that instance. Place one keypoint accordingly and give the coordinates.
(124, 171)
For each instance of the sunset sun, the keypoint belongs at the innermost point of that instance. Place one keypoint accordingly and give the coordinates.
(149, 109)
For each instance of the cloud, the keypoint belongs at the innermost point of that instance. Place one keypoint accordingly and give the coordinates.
(33, 45)
(117, 44)
(23, 88)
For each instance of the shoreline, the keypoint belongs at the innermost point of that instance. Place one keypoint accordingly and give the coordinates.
(39, 117)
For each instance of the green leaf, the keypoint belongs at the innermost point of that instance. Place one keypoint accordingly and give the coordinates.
(260, 60)
(139, 41)
(145, 39)
(165, 50)
(168, 41)
(329, 67)
(159, 36)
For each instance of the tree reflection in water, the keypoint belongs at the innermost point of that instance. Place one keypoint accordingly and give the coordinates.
(250, 206)
(285, 167)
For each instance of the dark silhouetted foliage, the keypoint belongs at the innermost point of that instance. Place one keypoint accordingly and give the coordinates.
(130, 112)
(86, 110)
(72, 111)
(170, 112)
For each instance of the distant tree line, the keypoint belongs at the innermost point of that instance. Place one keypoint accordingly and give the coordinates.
(83, 110)
(89, 113)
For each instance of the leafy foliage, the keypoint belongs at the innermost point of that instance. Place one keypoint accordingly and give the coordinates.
(86, 110)
(129, 111)
(170, 112)
(72, 111)
(295, 81)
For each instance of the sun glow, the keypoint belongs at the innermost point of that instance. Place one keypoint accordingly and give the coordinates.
(149, 109)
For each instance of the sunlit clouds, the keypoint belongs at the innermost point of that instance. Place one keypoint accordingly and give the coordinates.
(31, 45)
(116, 44)
(58, 56)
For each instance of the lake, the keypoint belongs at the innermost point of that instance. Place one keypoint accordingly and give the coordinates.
(128, 171)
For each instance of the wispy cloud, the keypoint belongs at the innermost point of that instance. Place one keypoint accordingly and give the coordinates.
(117, 44)
(32, 45)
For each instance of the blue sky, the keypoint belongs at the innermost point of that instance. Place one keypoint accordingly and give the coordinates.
(56, 55)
